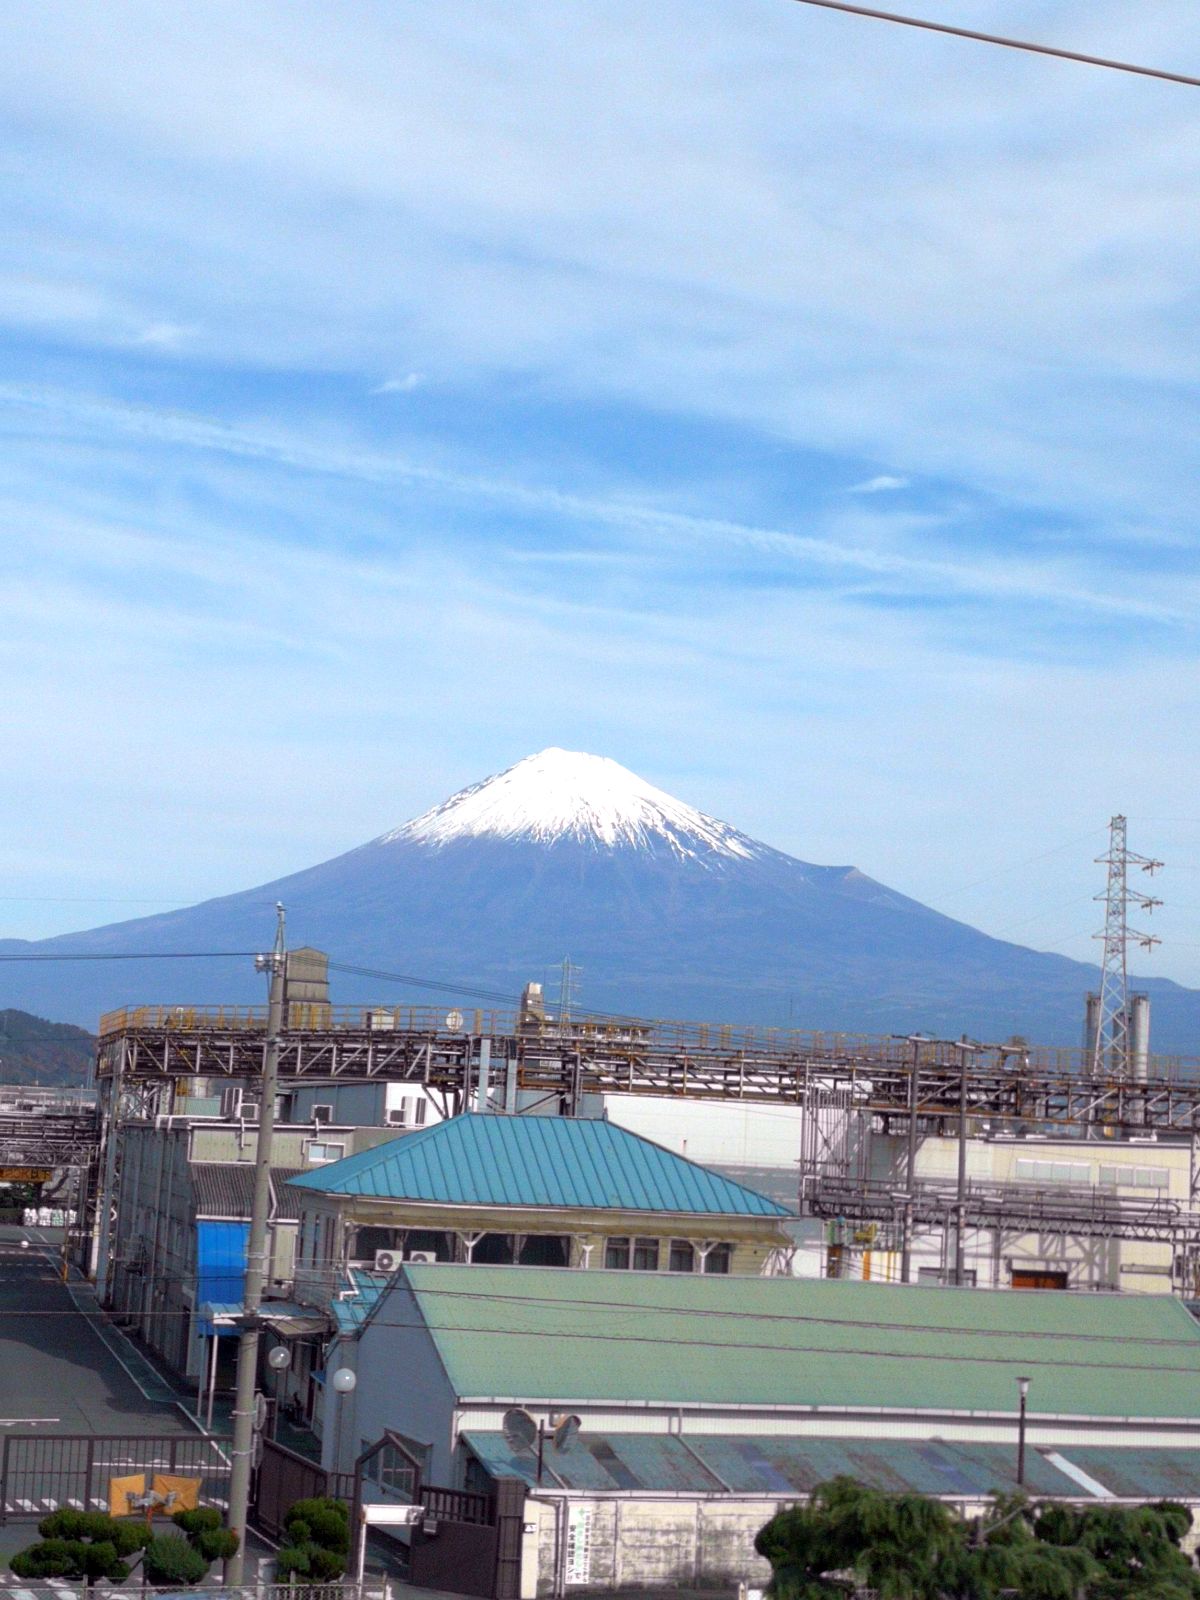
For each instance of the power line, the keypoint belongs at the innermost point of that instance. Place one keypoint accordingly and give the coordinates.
(139, 955)
(699, 1313)
(1001, 39)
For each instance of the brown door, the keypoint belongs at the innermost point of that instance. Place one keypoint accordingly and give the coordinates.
(1038, 1280)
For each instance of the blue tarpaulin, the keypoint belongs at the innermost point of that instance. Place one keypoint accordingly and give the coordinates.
(221, 1272)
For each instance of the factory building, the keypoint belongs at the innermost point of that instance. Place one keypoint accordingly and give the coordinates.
(705, 1404)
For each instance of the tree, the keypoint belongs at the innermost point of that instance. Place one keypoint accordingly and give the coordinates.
(82, 1544)
(92, 1546)
(909, 1547)
(172, 1560)
(318, 1541)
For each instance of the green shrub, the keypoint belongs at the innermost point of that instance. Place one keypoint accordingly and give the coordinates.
(216, 1544)
(205, 1519)
(318, 1540)
(170, 1559)
(291, 1562)
(53, 1558)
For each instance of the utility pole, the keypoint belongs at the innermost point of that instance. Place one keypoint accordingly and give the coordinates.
(966, 1051)
(256, 1257)
(910, 1170)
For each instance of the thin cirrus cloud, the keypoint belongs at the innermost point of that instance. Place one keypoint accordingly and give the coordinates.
(882, 484)
(404, 385)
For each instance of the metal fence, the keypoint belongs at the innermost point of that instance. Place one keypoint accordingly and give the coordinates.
(284, 1477)
(61, 1589)
(43, 1474)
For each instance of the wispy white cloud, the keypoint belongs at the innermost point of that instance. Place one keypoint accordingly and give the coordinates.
(166, 335)
(679, 320)
(878, 485)
(404, 385)
(1052, 581)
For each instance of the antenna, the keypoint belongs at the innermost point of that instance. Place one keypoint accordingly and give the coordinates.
(565, 1430)
(1111, 1043)
(520, 1430)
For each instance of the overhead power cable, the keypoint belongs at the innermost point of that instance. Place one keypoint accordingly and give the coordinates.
(550, 1303)
(1059, 54)
(137, 955)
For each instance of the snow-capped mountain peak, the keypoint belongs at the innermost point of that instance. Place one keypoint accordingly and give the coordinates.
(564, 794)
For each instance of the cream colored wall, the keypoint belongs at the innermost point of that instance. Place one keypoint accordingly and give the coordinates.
(757, 1241)
(1136, 1266)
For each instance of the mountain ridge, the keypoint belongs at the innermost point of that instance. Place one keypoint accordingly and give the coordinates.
(667, 911)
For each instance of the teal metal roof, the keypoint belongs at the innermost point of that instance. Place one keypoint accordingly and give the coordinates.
(350, 1311)
(569, 1162)
(756, 1464)
(544, 1334)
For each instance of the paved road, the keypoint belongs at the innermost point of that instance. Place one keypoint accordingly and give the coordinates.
(62, 1368)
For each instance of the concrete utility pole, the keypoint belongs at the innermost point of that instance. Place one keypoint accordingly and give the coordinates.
(256, 1257)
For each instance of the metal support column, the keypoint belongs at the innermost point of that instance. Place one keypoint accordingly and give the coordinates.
(103, 1238)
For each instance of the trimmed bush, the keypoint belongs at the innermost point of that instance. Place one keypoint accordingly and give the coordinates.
(317, 1543)
(170, 1559)
(205, 1519)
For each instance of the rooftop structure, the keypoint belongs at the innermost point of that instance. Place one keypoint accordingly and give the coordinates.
(552, 1163)
(622, 1340)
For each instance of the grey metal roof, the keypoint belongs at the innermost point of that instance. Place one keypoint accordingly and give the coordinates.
(757, 1464)
(287, 1199)
(226, 1189)
(223, 1188)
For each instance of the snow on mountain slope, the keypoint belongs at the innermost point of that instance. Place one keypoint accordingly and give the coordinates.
(564, 794)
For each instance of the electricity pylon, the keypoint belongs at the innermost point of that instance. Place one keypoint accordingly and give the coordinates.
(1110, 1049)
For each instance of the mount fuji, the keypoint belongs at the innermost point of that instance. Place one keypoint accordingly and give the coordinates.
(666, 912)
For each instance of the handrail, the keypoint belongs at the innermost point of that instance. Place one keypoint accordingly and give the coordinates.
(846, 1052)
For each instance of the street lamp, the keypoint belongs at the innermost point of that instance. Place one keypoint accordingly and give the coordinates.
(344, 1382)
(1023, 1386)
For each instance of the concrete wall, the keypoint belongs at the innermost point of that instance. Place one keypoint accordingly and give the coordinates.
(623, 1542)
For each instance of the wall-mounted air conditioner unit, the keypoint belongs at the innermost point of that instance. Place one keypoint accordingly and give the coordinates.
(421, 1255)
(322, 1113)
(397, 1117)
(249, 1111)
(387, 1260)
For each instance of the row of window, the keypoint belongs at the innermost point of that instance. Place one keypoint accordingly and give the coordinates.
(1080, 1172)
(644, 1255)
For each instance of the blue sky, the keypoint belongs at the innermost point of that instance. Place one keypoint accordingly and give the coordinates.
(800, 410)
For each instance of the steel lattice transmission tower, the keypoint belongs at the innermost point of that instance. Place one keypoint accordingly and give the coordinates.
(1110, 1050)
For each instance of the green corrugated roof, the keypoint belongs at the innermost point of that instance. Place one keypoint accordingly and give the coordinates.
(537, 1161)
(535, 1333)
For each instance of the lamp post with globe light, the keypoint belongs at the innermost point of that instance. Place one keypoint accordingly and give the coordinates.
(344, 1382)
(1023, 1387)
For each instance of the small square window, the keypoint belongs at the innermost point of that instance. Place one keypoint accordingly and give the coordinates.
(616, 1254)
(645, 1255)
(719, 1258)
(683, 1256)
(319, 1151)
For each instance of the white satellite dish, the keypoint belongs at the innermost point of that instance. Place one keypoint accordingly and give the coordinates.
(454, 1021)
(519, 1429)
